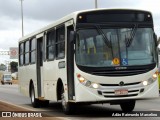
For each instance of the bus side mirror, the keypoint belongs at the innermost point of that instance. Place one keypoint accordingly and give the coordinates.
(72, 36)
(155, 38)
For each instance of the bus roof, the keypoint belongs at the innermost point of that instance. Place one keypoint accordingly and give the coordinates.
(67, 18)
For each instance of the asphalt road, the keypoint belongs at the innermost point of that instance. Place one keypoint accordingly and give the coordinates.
(10, 94)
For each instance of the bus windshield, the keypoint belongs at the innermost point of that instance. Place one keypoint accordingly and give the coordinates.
(100, 47)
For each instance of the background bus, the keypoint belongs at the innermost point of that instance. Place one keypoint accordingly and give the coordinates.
(94, 56)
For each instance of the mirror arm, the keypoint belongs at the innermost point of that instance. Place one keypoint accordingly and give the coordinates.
(72, 36)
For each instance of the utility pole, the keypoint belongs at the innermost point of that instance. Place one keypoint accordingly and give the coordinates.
(22, 17)
(96, 4)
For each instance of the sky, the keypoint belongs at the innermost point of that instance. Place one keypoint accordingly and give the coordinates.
(39, 13)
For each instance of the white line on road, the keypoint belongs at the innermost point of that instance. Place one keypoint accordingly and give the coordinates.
(154, 110)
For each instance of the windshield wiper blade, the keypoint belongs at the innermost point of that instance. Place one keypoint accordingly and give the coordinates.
(107, 42)
(129, 40)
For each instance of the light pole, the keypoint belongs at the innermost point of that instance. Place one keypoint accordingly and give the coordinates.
(96, 4)
(22, 16)
(7, 65)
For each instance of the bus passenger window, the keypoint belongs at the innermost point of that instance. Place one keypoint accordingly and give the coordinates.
(50, 48)
(21, 52)
(27, 52)
(33, 50)
(60, 42)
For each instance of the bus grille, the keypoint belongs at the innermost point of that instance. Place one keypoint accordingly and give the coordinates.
(119, 73)
(126, 84)
(108, 90)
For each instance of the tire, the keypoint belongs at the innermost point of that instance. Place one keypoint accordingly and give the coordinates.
(44, 103)
(67, 107)
(35, 102)
(128, 106)
(2, 82)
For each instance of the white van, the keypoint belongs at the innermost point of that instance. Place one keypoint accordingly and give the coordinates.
(6, 78)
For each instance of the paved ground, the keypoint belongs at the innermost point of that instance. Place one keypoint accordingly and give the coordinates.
(4, 107)
(10, 94)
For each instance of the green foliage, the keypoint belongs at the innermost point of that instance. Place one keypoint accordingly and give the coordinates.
(2, 67)
(14, 66)
(159, 40)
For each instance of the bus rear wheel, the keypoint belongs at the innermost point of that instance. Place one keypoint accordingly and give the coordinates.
(44, 103)
(35, 102)
(128, 106)
(66, 106)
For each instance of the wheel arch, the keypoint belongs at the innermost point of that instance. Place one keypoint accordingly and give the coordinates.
(59, 88)
(30, 85)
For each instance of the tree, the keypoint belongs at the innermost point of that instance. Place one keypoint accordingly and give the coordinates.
(14, 66)
(159, 45)
(159, 40)
(2, 67)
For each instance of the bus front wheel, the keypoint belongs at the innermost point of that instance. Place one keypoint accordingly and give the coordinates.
(128, 106)
(66, 106)
(35, 102)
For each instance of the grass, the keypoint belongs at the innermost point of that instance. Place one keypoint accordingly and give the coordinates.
(14, 81)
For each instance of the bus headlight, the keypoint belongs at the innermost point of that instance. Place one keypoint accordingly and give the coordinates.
(145, 83)
(155, 75)
(87, 83)
(95, 85)
(150, 80)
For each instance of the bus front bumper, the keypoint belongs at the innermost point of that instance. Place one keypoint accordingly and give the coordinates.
(106, 94)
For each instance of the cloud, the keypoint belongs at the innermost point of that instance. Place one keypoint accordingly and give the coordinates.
(117, 3)
(8, 39)
(10, 8)
(42, 9)
(7, 23)
(31, 25)
(9, 36)
(52, 10)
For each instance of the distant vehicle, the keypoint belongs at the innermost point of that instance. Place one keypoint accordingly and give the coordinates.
(6, 78)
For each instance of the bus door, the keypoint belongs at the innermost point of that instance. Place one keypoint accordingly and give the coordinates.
(39, 63)
(70, 62)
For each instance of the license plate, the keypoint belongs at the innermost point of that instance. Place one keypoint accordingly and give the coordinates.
(121, 92)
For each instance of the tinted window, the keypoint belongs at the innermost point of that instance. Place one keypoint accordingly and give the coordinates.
(50, 47)
(27, 46)
(21, 48)
(33, 44)
(33, 50)
(21, 52)
(27, 52)
(114, 16)
(60, 42)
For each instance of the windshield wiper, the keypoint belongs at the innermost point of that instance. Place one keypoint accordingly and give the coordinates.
(129, 40)
(100, 31)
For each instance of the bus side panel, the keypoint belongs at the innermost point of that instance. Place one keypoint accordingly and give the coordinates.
(51, 74)
(22, 81)
(50, 77)
(25, 74)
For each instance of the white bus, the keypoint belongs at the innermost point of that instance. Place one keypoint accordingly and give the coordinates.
(92, 56)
